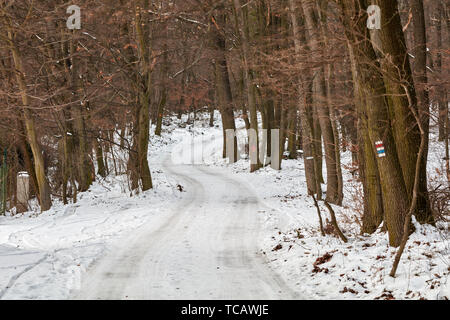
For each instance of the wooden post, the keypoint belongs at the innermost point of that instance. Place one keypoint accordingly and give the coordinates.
(23, 191)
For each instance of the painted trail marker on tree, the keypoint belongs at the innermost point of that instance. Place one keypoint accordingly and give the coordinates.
(380, 149)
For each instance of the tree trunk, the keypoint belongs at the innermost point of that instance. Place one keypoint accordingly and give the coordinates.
(223, 87)
(424, 214)
(441, 90)
(143, 114)
(163, 98)
(27, 157)
(368, 167)
(396, 72)
(292, 133)
(317, 137)
(320, 101)
(44, 188)
(101, 170)
(308, 146)
(333, 119)
(372, 92)
(248, 78)
(84, 170)
(159, 116)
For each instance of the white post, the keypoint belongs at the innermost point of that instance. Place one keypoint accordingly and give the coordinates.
(23, 191)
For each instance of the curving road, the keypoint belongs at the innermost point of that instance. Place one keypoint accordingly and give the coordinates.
(206, 248)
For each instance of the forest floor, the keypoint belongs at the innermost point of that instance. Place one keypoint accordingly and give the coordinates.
(209, 230)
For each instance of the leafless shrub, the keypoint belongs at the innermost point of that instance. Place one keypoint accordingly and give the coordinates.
(440, 202)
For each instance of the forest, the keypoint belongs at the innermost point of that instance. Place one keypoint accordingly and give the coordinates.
(85, 86)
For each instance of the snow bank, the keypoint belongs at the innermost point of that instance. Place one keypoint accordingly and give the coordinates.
(325, 267)
(43, 256)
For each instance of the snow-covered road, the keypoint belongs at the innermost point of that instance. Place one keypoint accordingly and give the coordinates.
(230, 234)
(205, 249)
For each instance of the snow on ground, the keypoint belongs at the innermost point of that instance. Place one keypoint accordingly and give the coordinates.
(325, 267)
(43, 256)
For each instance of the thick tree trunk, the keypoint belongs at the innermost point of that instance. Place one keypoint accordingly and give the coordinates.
(317, 138)
(163, 91)
(27, 157)
(372, 93)
(333, 119)
(373, 202)
(44, 188)
(248, 78)
(223, 87)
(396, 72)
(142, 142)
(441, 90)
(368, 167)
(143, 114)
(330, 87)
(424, 213)
(83, 165)
(80, 151)
(320, 101)
(307, 126)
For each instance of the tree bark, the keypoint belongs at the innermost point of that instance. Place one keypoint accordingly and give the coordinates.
(396, 72)
(163, 90)
(309, 154)
(101, 170)
(242, 24)
(372, 93)
(143, 114)
(368, 167)
(44, 188)
(223, 86)
(424, 214)
(320, 101)
(441, 90)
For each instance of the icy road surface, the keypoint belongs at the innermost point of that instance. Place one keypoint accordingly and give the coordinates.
(205, 249)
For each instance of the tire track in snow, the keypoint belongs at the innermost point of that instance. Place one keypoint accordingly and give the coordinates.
(14, 278)
(206, 249)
